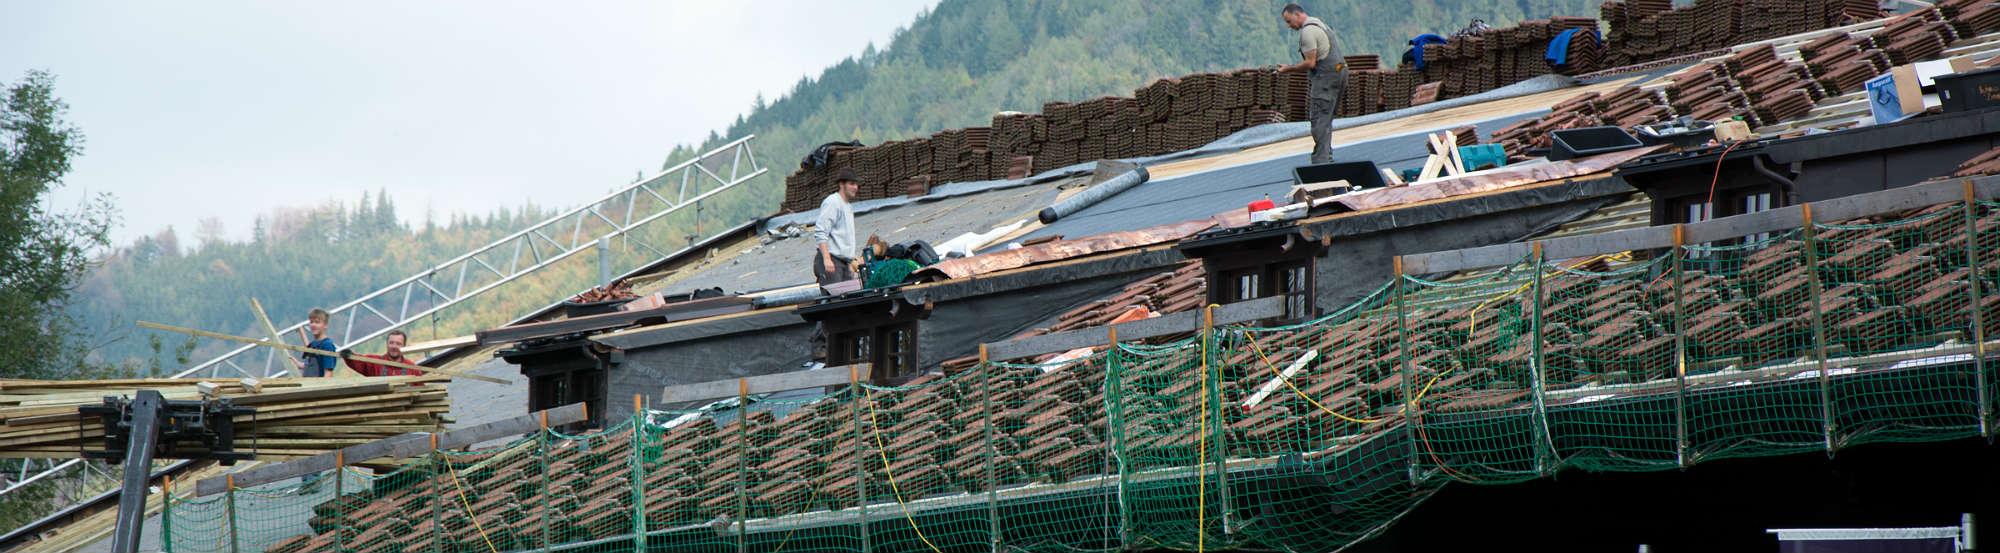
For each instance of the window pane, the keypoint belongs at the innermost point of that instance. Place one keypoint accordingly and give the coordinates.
(1297, 292)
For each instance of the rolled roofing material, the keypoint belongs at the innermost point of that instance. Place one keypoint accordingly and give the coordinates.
(1094, 194)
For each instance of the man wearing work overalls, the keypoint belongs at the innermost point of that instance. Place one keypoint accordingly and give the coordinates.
(1320, 58)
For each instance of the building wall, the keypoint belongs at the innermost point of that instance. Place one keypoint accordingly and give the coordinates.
(956, 328)
(762, 351)
(1357, 265)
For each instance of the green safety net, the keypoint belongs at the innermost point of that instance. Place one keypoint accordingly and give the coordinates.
(1306, 437)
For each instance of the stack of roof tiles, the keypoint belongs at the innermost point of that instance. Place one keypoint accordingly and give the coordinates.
(1182, 289)
(1643, 31)
(1623, 107)
(1762, 88)
(1986, 163)
(1186, 112)
(806, 187)
(1477, 63)
(1177, 114)
(1842, 62)
(1971, 17)
(1585, 50)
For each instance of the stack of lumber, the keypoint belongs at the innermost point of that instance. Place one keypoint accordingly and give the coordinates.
(296, 417)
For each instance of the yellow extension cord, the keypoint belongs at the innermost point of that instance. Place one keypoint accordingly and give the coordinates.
(883, 450)
(468, 507)
(1315, 403)
(1295, 389)
(1473, 318)
(795, 528)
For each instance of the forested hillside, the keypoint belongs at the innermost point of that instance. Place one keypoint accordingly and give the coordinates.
(954, 66)
(963, 61)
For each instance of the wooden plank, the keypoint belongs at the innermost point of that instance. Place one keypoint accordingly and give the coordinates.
(763, 384)
(407, 445)
(1432, 166)
(1453, 260)
(1185, 321)
(1611, 242)
(365, 431)
(363, 389)
(695, 309)
(302, 349)
(15, 385)
(270, 330)
(442, 343)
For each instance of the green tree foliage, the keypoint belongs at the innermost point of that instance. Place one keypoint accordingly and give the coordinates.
(44, 251)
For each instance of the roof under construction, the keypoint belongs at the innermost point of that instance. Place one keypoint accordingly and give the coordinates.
(1494, 327)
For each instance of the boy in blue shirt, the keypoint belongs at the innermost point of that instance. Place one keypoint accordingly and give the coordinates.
(313, 364)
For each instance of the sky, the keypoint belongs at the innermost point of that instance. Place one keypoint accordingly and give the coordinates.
(229, 109)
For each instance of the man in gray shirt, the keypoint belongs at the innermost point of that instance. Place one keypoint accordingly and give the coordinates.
(1319, 57)
(834, 230)
(835, 261)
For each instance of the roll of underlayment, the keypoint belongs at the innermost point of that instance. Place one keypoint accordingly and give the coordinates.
(1090, 196)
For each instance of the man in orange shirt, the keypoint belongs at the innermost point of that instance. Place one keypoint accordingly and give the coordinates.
(393, 352)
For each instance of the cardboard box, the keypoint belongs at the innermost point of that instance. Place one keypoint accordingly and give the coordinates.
(1907, 90)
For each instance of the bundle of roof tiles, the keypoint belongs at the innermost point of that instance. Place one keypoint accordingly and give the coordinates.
(1986, 163)
(1764, 89)
(1623, 107)
(1647, 30)
(1183, 289)
(1471, 64)
(1176, 114)
(1182, 113)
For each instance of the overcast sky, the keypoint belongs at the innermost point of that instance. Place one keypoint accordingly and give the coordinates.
(228, 109)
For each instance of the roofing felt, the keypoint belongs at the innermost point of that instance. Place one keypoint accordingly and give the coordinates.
(1205, 194)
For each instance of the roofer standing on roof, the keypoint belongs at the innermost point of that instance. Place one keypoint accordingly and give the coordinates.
(1319, 57)
(836, 258)
(834, 230)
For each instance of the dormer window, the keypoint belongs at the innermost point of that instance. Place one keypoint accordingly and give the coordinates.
(880, 329)
(1260, 261)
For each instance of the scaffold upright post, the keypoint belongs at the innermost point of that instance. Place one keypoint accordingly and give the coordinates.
(1811, 228)
(992, 449)
(638, 470)
(1412, 415)
(1974, 266)
(1677, 255)
(859, 395)
(742, 465)
(1544, 454)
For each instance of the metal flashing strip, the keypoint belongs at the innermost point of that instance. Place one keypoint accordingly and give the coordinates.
(1865, 534)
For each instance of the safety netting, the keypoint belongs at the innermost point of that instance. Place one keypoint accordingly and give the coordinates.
(1305, 437)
